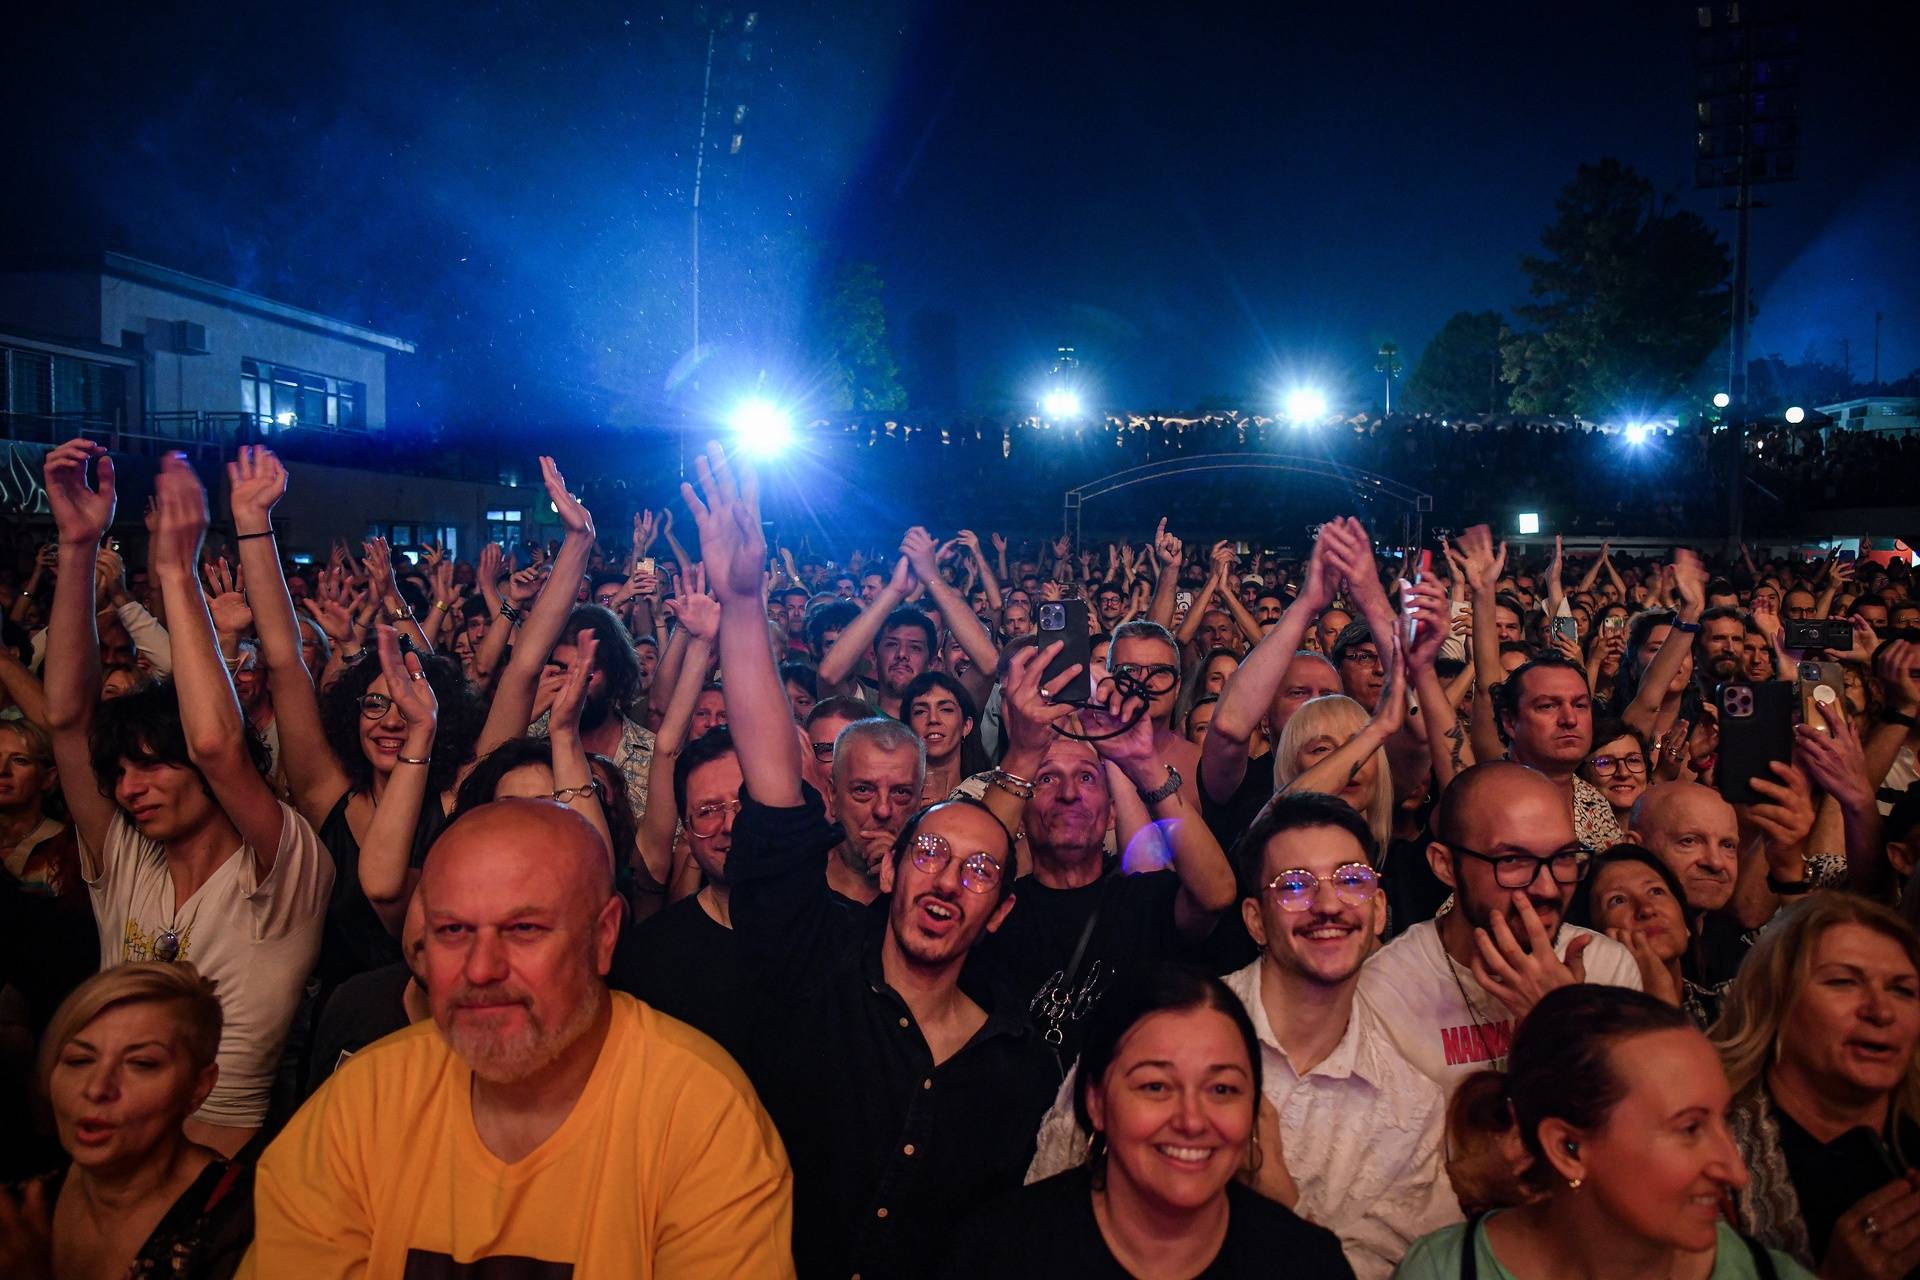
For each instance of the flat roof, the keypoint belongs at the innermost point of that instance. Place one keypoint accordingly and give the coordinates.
(130, 268)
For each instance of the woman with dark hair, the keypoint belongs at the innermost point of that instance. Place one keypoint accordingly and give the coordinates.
(1633, 897)
(939, 710)
(1620, 1110)
(1169, 1085)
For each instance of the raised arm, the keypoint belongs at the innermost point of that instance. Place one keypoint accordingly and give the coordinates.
(1337, 768)
(844, 657)
(733, 547)
(22, 688)
(574, 784)
(386, 850)
(691, 648)
(922, 556)
(81, 513)
(1427, 604)
(255, 483)
(1167, 551)
(1481, 564)
(989, 582)
(512, 709)
(1251, 688)
(210, 713)
(1690, 582)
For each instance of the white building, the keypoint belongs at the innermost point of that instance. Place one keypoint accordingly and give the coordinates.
(1875, 413)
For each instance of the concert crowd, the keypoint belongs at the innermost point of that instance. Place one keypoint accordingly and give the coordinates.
(662, 902)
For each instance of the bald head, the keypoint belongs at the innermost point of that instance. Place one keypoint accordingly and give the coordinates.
(1484, 801)
(1694, 831)
(517, 839)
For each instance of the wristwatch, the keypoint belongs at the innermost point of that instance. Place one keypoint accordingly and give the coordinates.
(1161, 792)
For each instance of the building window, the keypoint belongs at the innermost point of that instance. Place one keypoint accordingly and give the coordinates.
(277, 396)
(503, 527)
(72, 389)
(409, 541)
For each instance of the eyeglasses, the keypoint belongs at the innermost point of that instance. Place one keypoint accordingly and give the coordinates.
(1518, 870)
(1156, 679)
(374, 706)
(822, 751)
(1369, 656)
(1354, 883)
(978, 872)
(708, 819)
(1635, 763)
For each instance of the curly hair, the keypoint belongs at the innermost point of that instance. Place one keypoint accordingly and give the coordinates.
(462, 713)
(143, 725)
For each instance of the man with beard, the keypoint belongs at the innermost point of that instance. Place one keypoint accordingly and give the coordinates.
(906, 1085)
(1109, 604)
(604, 727)
(901, 642)
(1717, 656)
(1080, 919)
(1449, 991)
(416, 1156)
(879, 767)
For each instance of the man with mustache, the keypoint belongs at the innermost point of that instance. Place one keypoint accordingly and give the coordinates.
(906, 1085)
(1450, 990)
(484, 1133)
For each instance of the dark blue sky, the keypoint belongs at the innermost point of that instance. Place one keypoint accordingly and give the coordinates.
(1207, 201)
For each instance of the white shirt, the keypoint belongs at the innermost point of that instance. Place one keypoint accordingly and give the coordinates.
(1360, 1133)
(1450, 1029)
(255, 940)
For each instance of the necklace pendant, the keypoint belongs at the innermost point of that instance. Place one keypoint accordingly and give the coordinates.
(166, 946)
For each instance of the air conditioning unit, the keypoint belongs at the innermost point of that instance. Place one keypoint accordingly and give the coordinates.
(190, 339)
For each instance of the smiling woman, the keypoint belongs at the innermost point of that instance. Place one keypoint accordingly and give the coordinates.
(1169, 1084)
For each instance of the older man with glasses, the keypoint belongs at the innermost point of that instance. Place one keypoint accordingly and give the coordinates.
(1450, 990)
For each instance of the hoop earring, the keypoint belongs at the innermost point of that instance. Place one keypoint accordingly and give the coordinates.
(1097, 1160)
(1255, 1157)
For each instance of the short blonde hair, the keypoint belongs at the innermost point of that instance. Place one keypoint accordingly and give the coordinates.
(32, 737)
(1754, 1013)
(148, 982)
(1339, 717)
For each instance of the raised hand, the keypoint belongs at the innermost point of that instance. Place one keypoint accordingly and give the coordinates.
(255, 482)
(412, 695)
(1785, 818)
(81, 511)
(733, 544)
(378, 561)
(572, 696)
(1426, 606)
(523, 586)
(696, 608)
(1833, 756)
(227, 600)
(644, 532)
(574, 517)
(180, 514)
(968, 539)
(1480, 560)
(1029, 710)
(1167, 547)
(1690, 581)
(1000, 543)
(921, 553)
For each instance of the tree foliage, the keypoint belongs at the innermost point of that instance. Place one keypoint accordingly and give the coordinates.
(861, 371)
(1458, 371)
(1628, 299)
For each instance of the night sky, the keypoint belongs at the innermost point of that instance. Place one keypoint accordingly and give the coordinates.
(1207, 202)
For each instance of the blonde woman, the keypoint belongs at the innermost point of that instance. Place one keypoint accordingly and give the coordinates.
(1819, 1035)
(125, 1060)
(1333, 747)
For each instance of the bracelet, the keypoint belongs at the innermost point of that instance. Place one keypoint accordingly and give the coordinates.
(1791, 889)
(510, 613)
(242, 537)
(443, 606)
(1901, 718)
(567, 795)
(1161, 792)
(399, 614)
(414, 759)
(1688, 627)
(1012, 783)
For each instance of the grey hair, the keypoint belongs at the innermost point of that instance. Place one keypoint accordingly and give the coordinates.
(884, 733)
(1143, 629)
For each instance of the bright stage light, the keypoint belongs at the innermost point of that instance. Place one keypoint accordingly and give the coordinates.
(1306, 404)
(1637, 432)
(1060, 403)
(1721, 399)
(761, 427)
(1529, 522)
(1796, 415)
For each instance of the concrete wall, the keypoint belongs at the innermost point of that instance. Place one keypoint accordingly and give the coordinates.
(325, 502)
(211, 383)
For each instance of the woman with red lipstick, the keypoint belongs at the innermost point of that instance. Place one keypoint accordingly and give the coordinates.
(127, 1058)
(1622, 1114)
(1821, 1040)
(1176, 1184)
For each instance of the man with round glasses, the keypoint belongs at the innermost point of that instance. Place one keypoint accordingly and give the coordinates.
(1360, 1126)
(905, 1082)
(1450, 990)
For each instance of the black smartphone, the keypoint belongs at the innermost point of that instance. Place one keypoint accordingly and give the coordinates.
(1066, 621)
(1756, 729)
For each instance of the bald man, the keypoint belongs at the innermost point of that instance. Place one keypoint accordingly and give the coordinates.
(1696, 833)
(538, 1125)
(1450, 990)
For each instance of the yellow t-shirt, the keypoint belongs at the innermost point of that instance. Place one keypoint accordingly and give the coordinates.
(668, 1166)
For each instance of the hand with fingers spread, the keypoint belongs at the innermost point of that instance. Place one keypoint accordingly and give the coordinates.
(1519, 976)
(1029, 709)
(1865, 641)
(180, 509)
(81, 511)
(1481, 561)
(1833, 756)
(256, 481)
(695, 607)
(412, 695)
(733, 545)
(564, 724)
(378, 559)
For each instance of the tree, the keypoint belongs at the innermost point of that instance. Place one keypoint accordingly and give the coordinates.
(852, 341)
(1459, 370)
(1629, 298)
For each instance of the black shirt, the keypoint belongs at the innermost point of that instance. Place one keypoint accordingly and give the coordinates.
(1413, 892)
(353, 940)
(364, 1008)
(1048, 1231)
(888, 1150)
(1229, 819)
(1035, 945)
(689, 966)
(1831, 1177)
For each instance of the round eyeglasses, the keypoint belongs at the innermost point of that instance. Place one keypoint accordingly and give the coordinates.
(374, 706)
(1354, 883)
(707, 819)
(978, 872)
